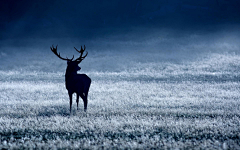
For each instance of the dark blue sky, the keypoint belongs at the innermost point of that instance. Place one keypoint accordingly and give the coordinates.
(94, 18)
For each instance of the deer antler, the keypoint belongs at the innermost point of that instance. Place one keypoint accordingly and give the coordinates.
(54, 50)
(79, 59)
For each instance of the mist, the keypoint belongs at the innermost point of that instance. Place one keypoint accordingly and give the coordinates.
(136, 31)
(119, 52)
(111, 25)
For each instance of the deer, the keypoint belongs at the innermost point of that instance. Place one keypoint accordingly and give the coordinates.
(74, 82)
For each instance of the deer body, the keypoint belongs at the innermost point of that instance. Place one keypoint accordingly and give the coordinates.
(75, 83)
(79, 84)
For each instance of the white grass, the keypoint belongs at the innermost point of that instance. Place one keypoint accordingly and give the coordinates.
(192, 104)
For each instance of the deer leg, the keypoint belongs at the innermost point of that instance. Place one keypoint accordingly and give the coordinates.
(86, 95)
(85, 102)
(77, 100)
(84, 98)
(70, 97)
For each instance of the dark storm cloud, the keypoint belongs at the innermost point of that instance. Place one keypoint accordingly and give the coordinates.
(60, 18)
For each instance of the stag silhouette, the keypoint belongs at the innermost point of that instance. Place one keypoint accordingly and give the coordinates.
(75, 83)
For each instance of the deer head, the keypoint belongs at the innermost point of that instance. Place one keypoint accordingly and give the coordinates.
(72, 64)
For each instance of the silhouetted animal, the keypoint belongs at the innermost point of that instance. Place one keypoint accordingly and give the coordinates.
(75, 83)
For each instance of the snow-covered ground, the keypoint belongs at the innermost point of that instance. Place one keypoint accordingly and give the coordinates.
(185, 95)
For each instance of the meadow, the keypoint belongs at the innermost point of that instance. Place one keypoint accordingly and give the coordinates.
(139, 99)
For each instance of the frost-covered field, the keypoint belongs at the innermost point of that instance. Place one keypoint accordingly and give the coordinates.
(161, 101)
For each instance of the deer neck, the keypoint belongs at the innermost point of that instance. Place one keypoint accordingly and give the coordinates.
(68, 74)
